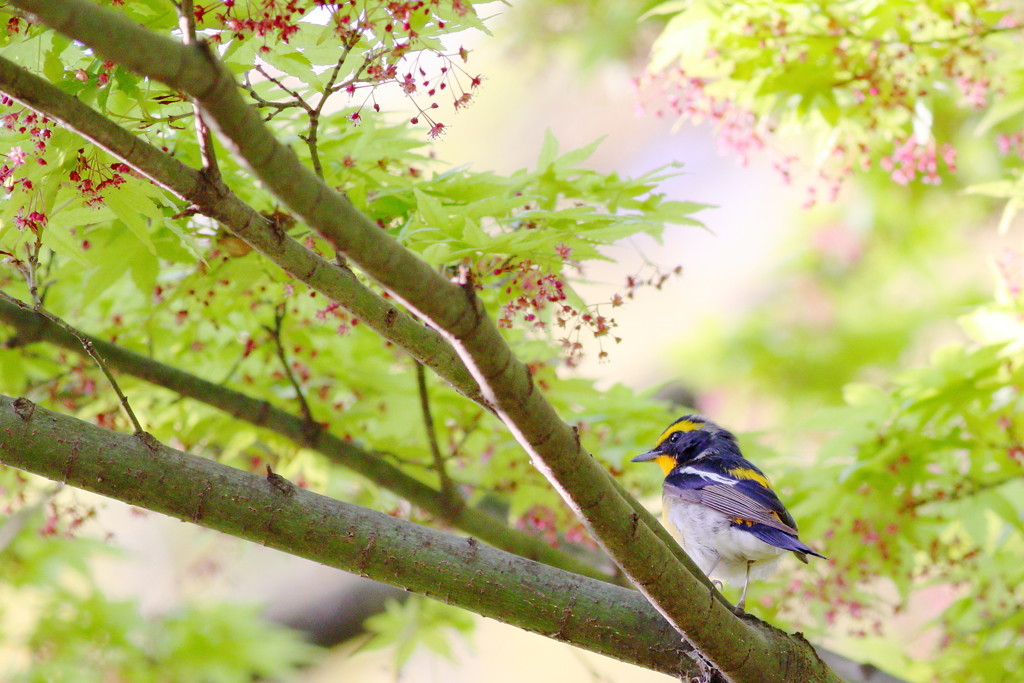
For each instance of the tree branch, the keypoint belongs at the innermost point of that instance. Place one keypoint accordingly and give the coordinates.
(741, 651)
(32, 327)
(278, 107)
(276, 81)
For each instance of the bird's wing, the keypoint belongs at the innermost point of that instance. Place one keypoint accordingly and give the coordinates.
(784, 540)
(745, 500)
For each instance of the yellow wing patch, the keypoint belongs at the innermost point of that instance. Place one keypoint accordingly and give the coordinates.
(682, 426)
(747, 473)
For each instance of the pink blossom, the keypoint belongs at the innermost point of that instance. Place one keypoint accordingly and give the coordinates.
(17, 156)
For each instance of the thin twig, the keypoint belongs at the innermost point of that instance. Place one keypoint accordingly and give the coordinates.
(263, 103)
(43, 283)
(147, 121)
(275, 333)
(89, 349)
(276, 81)
(405, 462)
(367, 60)
(187, 24)
(337, 70)
(30, 266)
(446, 486)
(311, 143)
(467, 431)
(314, 113)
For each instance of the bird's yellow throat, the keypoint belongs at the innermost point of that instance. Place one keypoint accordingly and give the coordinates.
(667, 463)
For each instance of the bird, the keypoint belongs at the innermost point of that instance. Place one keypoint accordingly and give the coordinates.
(723, 509)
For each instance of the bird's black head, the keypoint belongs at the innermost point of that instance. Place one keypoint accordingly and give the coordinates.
(684, 440)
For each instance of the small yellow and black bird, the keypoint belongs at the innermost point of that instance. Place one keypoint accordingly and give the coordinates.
(728, 518)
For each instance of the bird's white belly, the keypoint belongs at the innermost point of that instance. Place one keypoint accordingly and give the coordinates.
(719, 549)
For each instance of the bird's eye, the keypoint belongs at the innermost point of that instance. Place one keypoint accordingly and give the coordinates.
(674, 437)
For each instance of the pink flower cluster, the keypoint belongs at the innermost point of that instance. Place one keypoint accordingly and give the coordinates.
(32, 220)
(92, 179)
(912, 158)
(389, 30)
(531, 291)
(1011, 143)
(736, 128)
(543, 520)
(38, 128)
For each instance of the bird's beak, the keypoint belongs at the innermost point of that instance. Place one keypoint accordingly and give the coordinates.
(666, 462)
(647, 457)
